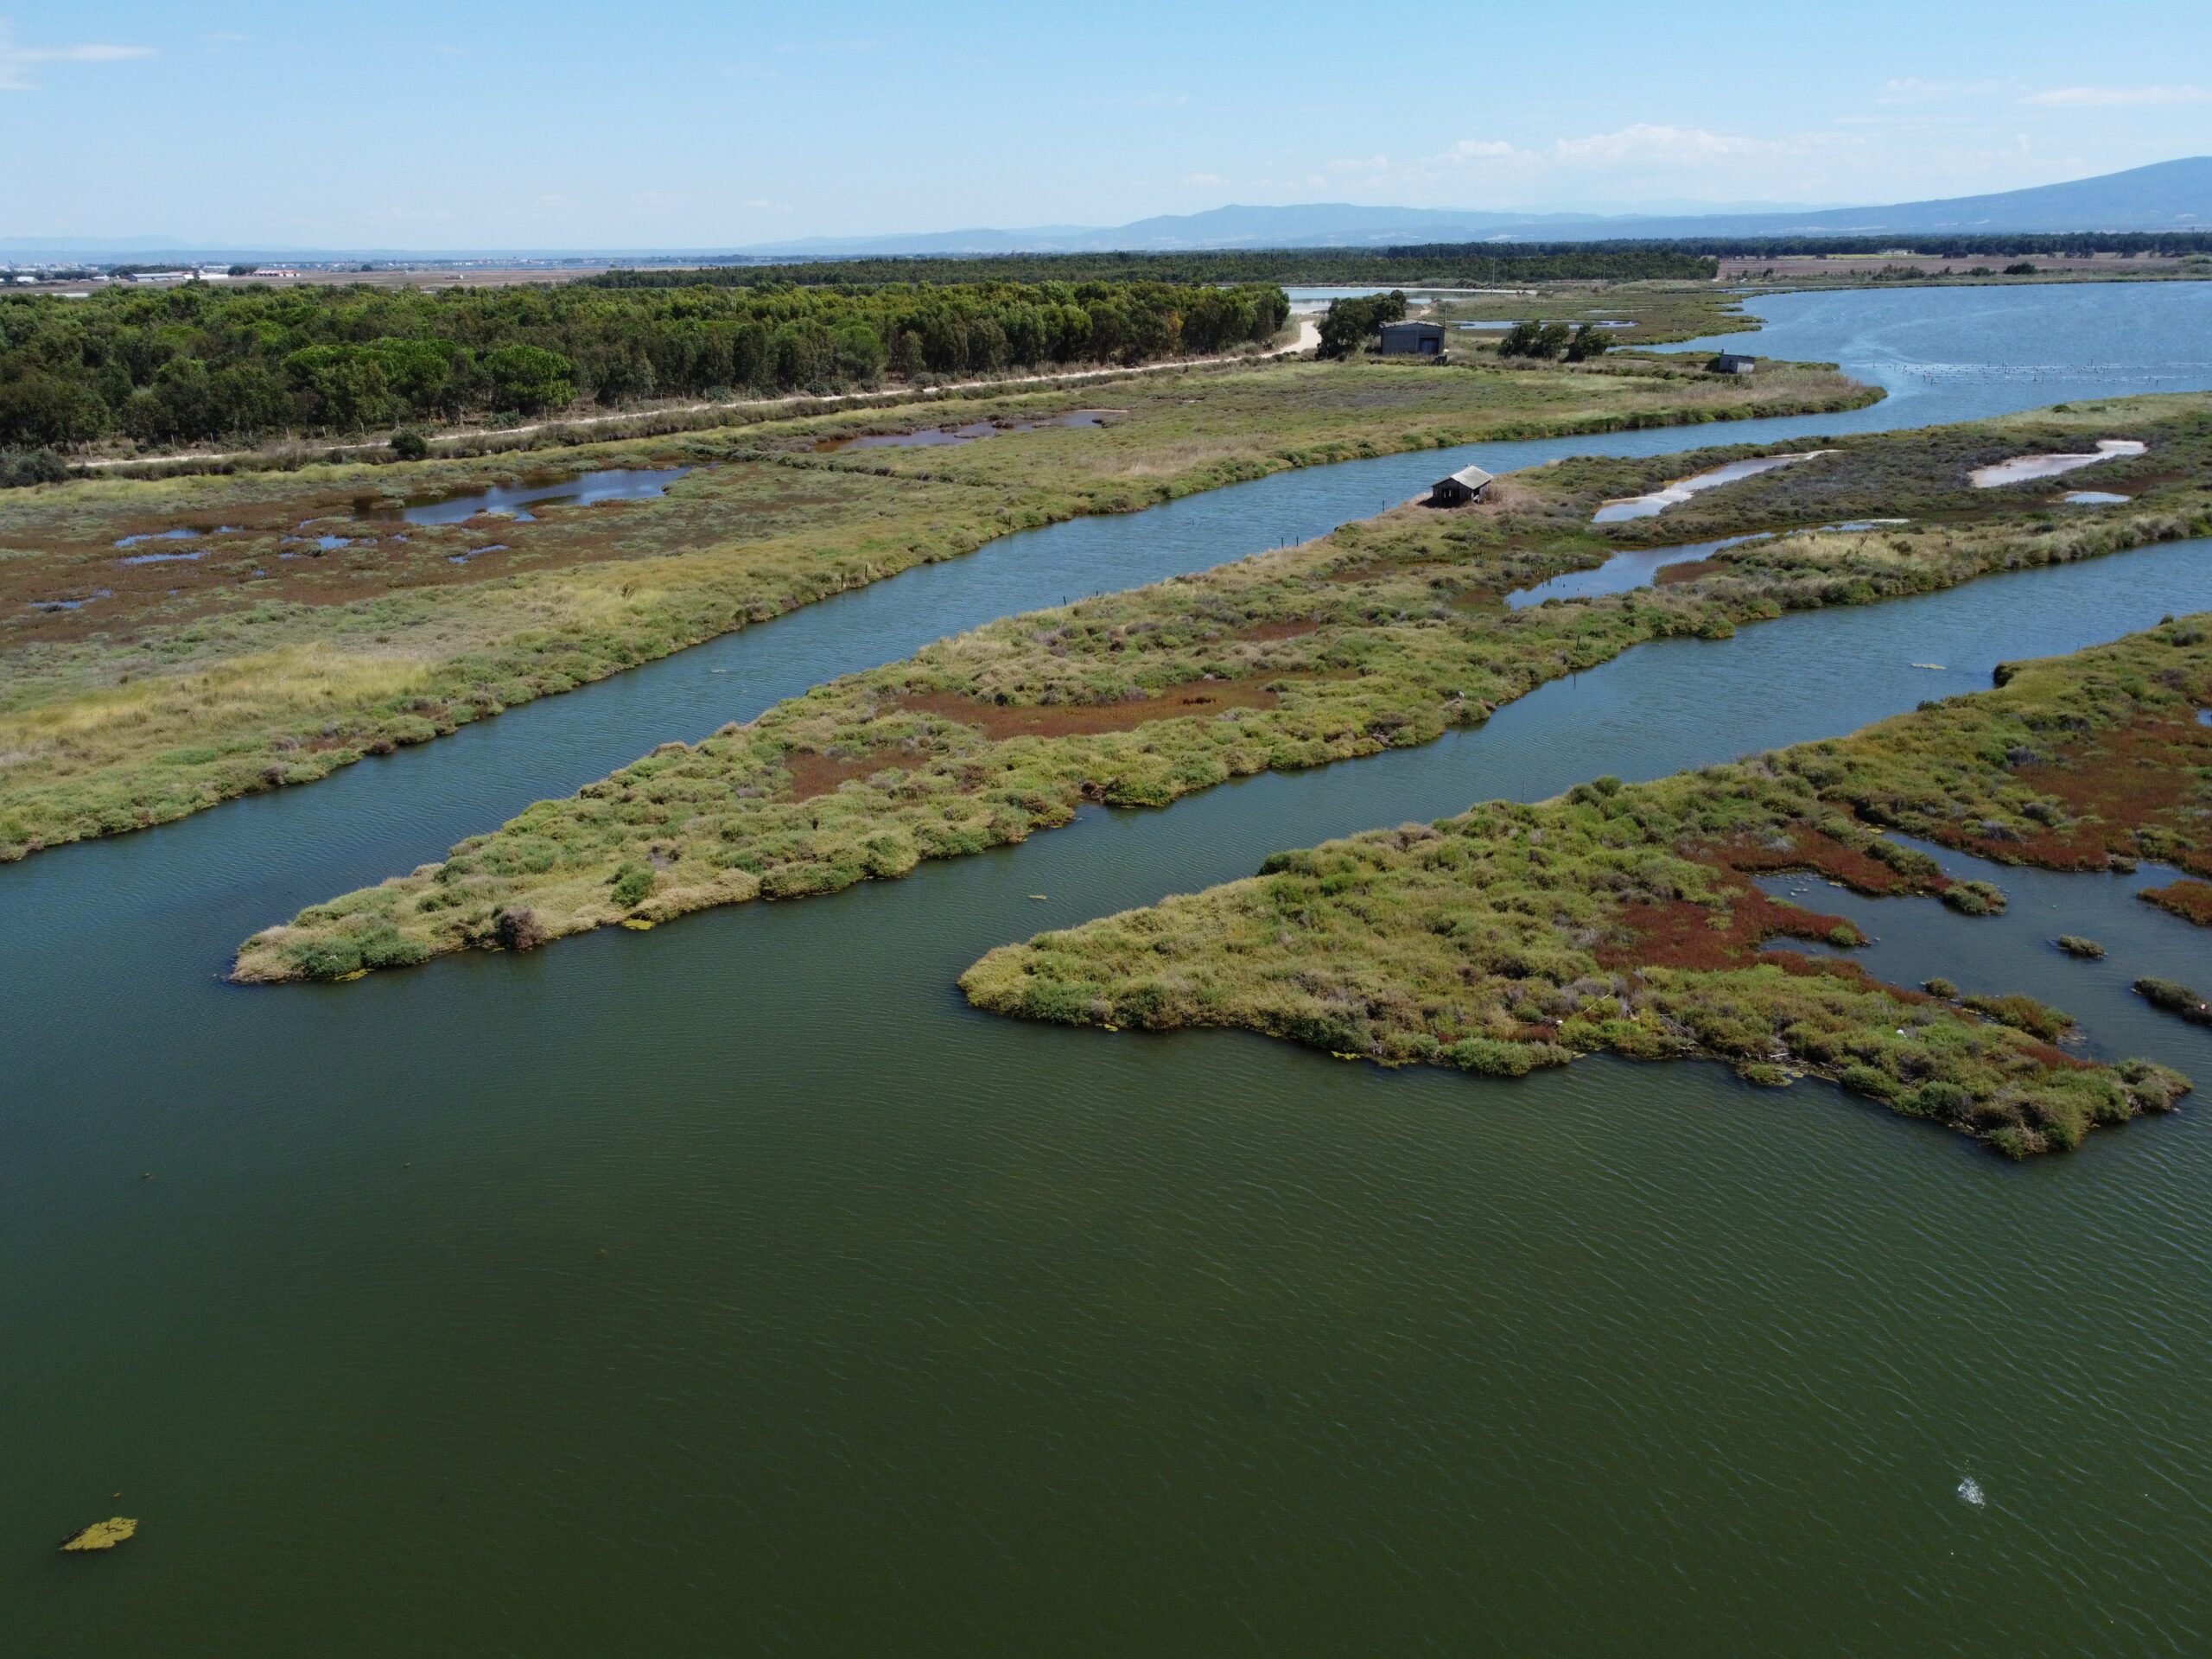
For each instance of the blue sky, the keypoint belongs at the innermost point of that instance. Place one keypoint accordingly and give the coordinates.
(667, 123)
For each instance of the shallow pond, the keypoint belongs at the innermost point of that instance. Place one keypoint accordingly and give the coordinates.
(589, 489)
(1917, 939)
(182, 533)
(733, 1287)
(1624, 572)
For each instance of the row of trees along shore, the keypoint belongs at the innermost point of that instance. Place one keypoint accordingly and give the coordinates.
(197, 362)
(1440, 263)
(1469, 264)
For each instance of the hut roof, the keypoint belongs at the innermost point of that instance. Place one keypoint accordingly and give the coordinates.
(1473, 477)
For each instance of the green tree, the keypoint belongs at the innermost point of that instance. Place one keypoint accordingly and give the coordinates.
(529, 379)
(339, 388)
(1589, 341)
(1348, 325)
(41, 411)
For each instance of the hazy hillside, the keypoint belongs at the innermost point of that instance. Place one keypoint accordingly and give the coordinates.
(2165, 196)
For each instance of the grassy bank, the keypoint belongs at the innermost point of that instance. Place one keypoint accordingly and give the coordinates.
(1625, 918)
(134, 693)
(1381, 635)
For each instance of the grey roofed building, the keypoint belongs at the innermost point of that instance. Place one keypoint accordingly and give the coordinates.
(1412, 338)
(1733, 363)
(1466, 484)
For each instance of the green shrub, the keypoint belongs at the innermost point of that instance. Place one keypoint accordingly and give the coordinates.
(631, 883)
(1869, 1080)
(2174, 999)
(2023, 1013)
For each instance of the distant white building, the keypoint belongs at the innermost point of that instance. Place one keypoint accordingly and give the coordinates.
(274, 271)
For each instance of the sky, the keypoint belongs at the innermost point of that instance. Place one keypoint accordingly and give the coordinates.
(674, 123)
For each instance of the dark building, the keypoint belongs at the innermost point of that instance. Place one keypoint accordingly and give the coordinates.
(1413, 340)
(1466, 484)
(1733, 363)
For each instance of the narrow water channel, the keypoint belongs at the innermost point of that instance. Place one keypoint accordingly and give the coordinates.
(735, 1287)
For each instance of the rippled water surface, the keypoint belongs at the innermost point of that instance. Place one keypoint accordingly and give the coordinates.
(733, 1288)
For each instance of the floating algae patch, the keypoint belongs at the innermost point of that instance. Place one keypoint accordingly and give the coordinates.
(101, 1534)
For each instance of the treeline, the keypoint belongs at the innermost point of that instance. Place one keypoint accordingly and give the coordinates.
(2004, 244)
(198, 362)
(1447, 265)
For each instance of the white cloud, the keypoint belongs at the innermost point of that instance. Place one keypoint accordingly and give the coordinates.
(1203, 178)
(2115, 97)
(17, 62)
(1479, 150)
(1644, 144)
(1655, 145)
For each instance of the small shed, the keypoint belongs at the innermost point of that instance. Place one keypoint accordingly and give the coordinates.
(1468, 484)
(1733, 363)
(1413, 340)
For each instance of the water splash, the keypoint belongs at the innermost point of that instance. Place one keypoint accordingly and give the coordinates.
(1970, 1493)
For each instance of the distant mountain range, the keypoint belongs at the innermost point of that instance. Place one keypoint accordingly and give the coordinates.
(2164, 196)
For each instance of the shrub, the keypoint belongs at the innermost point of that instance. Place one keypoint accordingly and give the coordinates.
(2174, 999)
(1945, 1101)
(21, 466)
(2074, 946)
(1869, 1080)
(409, 444)
(519, 929)
(1490, 1058)
(1974, 899)
(2022, 1013)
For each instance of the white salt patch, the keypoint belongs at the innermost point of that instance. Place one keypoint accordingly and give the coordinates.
(1650, 507)
(2021, 468)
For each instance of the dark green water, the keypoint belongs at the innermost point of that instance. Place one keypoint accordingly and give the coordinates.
(735, 1287)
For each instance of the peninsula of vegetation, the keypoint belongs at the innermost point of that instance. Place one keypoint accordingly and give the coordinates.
(1625, 918)
(169, 644)
(1384, 635)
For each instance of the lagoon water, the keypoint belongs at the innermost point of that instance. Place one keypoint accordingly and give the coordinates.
(733, 1288)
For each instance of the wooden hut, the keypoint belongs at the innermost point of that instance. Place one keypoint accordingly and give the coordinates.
(1413, 340)
(1468, 484)
(1733, 363)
